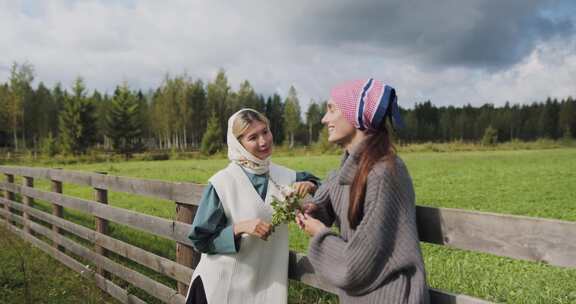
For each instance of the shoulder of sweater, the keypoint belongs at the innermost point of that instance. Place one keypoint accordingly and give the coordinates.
(385, 168)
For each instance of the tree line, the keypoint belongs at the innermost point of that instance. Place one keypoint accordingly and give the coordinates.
(186, 114)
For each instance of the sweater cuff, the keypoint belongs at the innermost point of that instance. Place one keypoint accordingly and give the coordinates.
(317, 239)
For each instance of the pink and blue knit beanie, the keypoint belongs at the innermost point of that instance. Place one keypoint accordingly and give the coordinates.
(367, 103)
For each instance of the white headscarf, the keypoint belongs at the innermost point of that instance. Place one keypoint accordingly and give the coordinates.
(238, 154)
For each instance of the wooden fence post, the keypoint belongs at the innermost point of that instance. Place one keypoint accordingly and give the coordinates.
(185, 254)
(101, 196)
(9, 196)
(28, 201)
(58, 211)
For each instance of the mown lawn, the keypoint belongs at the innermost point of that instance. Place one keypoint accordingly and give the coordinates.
(538, 183)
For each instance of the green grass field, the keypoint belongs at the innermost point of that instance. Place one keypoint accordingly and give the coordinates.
(538, 183)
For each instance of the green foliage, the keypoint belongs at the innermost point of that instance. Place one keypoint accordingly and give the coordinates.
(77, 123)
(285, 207)
(4, 129)
(197, 97)
(211, 140)
(292, 119)
(567, 138)
(49, 146)
(219, 101)
(148, 156)
(19, 92)
(124, 124)
(41, 115)
(174, 116)
(275, 113)
(490, 137)
(313, 121)
(323, 145)
(567, 117)
(247, 98)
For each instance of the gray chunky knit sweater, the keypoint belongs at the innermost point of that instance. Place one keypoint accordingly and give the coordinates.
(380, 261)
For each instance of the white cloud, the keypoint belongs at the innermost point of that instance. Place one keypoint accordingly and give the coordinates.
(108, 42)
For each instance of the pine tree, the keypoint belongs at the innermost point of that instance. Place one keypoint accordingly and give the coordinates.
(59, 96)
(197, 96)
(76, 121)
(123, 125)
(567, 117)
(41, 116)
(48, 145)
(219, 102)
(546, 121)
(291, 115)
(323, 144)
(275, 113)
(4, 130)
(211, 140)
(247, 98)
(313, 124)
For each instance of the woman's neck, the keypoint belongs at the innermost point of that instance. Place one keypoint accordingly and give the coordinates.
(357, 138)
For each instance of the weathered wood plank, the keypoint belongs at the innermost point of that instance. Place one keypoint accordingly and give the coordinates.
(28, 201)
(114, 290)
(101, 225)
(158, 290)
(186, 193)
(534, 239)
(57, 210)
(173, 230)
(185, 254)
(300, 270)
(519, 237)
(10, 195)
(155, 262)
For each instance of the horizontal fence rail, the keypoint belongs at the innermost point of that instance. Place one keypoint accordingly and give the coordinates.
(186, 193)
(533, 239)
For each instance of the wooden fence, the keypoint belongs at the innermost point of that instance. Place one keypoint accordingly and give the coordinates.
(533, 239)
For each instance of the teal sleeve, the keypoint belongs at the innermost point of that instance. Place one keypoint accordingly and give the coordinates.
(307, 177)
(211, 232)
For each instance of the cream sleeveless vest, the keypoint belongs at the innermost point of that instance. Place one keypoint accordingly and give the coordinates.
(258, 273)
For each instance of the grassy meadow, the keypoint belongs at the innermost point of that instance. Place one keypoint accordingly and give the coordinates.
(537, 183)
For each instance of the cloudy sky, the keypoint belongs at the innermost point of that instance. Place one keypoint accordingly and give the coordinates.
(448, 51)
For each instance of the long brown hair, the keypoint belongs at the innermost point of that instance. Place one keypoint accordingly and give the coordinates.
(377, 146)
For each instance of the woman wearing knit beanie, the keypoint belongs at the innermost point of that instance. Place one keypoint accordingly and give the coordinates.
(375, 257)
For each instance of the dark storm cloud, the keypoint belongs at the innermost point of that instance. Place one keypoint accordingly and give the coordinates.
(485, 34)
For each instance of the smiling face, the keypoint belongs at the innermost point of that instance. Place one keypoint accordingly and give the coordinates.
(340, 131)
(257, 139)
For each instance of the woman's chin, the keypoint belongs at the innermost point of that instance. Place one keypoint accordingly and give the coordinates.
(264, 156)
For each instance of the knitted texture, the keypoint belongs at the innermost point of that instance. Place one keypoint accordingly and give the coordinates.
(364, 103)
(380, 261)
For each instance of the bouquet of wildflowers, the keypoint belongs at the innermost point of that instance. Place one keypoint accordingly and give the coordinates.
(285, 207)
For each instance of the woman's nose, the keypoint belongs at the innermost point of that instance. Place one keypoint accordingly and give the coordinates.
(324, 119)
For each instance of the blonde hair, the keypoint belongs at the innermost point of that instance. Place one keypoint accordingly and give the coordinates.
(244, 119)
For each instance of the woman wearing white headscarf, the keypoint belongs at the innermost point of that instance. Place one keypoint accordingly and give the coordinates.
(242, 261)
